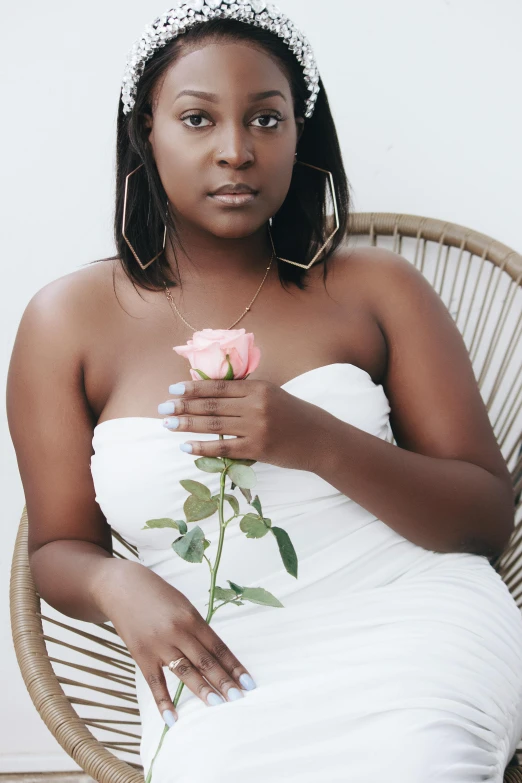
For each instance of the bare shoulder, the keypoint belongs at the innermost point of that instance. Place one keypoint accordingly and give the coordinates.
(403, 303)
(387, 283)
(59, 320)
(73, 296)
(374, 269)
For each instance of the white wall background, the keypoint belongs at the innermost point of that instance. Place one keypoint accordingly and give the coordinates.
(426, 96)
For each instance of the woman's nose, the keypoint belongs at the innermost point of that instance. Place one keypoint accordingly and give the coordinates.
(234, 148)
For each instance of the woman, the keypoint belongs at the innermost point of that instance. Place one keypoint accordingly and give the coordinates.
(397, 653)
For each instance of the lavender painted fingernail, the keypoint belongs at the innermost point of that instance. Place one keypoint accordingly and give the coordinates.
(169, 718)
(186, 447)
(172, 423)
(234, 694)
(214, 699)
(177, 388)
(166, 407)
(247, 682)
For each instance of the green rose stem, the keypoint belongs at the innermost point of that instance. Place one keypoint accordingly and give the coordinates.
(222, 528)
(213, 577)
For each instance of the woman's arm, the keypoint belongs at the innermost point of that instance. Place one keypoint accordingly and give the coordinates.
(69, 539)
(445, 485)
(51, 426)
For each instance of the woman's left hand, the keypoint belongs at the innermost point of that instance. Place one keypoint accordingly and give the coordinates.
(271, 425)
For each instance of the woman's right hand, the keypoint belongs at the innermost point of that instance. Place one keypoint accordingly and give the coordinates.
(158, 624)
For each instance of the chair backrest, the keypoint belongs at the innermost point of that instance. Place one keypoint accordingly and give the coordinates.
(80, 675)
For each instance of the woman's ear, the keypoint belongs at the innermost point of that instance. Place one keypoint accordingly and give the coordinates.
(146, 124)
(146, 121)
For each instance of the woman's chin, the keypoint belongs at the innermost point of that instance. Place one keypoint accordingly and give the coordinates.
(237, 227)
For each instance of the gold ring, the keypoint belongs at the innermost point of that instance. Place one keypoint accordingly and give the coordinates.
(172, 665)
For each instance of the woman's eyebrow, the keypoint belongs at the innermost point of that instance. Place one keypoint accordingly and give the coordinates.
(213, 98)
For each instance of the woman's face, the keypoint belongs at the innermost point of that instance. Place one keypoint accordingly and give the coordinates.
(226, 134)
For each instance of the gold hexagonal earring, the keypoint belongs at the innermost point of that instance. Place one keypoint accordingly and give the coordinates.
(336, 214)
(143, 266)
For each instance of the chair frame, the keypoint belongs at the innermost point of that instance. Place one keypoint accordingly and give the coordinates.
(95, 756)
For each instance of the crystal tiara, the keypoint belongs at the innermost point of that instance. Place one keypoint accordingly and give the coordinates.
(187, 14)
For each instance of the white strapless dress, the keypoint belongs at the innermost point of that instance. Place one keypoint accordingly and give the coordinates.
(389, 662)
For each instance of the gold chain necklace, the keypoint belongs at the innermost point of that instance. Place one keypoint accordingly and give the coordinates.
(174, 308)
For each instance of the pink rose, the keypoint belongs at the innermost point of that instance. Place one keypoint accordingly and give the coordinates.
(208, 350)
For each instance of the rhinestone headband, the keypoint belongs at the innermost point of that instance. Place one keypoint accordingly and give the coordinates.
(187, 14)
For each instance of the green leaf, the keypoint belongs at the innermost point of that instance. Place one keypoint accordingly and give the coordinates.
(237, 603)
(195, 488)
(253, 526)
(200, 372)
(236, 588)
(268, 522)
(258, 595)
(190, 547)
(196, 509)
(230, 372)
(206, 544)
(233, 502)
(221, 594)
(243, 476)
(246, 494)
(286, 548)
(176, 524)
(247, 462)
(210, 464)
(257, 505)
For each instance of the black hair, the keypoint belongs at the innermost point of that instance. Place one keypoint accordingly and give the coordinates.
(301, 225)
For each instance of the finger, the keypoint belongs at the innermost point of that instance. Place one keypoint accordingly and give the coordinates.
(202, 406)
(230, 425)
(211, 669)
(233, 448)
(210, 388)
(225, 657)
(192, 678)
(156, 681)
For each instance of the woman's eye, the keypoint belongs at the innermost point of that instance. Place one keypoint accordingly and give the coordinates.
(195, 117)
(198, 121)
(266, 117)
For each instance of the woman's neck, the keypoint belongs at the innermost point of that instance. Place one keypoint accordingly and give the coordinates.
(204, 259)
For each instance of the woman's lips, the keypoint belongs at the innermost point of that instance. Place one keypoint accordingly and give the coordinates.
(234, 199)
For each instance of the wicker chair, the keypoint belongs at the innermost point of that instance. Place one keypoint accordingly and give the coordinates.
(80, 675)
